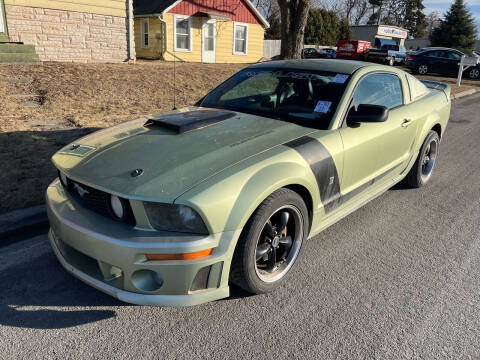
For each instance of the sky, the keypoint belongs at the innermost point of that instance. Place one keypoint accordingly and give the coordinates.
(441, 6)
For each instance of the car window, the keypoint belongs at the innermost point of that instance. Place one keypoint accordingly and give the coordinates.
(417, 89)
(305, 97)
(379, 89)
(453, 55)
(435, 54)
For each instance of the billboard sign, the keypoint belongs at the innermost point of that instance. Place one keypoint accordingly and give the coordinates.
(391, 31)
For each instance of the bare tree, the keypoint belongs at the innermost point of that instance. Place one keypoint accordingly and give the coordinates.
(293, 14)
(432, 20)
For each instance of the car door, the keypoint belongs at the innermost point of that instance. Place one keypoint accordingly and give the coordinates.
(452, 62)
(434, 59)
(373, 151)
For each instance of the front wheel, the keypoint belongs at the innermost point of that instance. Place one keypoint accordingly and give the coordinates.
(421, 172)
(391, 61)
(270, 242)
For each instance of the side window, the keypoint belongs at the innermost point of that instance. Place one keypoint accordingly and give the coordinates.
(434, 54)
(145, 29)
(454, 56)
(379, 89)
(183, 34)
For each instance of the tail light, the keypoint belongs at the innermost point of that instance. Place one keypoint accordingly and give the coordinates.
(411, 57)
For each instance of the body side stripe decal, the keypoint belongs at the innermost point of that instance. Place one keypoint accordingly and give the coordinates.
(323, 167)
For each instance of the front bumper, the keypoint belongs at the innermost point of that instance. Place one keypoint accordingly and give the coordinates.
(110, 256)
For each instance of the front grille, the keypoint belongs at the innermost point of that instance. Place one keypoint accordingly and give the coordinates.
(94, 199)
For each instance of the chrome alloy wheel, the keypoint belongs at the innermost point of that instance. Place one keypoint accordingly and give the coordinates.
(474, 73)
(279, 243)
(422, 69)
(428, 159)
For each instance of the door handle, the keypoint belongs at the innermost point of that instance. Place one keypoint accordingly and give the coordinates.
(406, 122)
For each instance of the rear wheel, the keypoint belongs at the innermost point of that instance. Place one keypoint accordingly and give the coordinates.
(270, 242)
(421, 171)
(422, 69)
(474, 73)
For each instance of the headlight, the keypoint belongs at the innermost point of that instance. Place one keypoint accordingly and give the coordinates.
(118, 207)
(177, 218)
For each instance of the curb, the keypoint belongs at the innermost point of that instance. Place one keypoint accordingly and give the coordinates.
(463, 93)
(22, 224)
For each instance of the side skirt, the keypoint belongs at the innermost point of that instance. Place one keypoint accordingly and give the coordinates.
(348, 208)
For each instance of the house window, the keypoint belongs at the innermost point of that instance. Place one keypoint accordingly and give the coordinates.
(240, 38)
(183, 34)
(145, 33)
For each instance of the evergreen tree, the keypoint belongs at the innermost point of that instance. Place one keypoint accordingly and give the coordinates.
(457, 30)
(325, 28)
(344, 30)
(414, 20)
(274, 31)
(322, 27)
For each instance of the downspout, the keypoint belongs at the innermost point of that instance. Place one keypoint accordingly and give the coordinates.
(131, 39)
(165, 39)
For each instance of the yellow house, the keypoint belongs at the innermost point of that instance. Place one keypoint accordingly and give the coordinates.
(210, 31)
(68, 30)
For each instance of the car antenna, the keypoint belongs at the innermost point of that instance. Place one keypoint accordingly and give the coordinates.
(174, 82)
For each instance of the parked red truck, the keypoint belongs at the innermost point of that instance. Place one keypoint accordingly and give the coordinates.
(352, 49)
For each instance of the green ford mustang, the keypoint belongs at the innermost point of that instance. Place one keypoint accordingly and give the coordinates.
(171, 209)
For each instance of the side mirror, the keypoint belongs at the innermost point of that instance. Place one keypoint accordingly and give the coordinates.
(367, 113)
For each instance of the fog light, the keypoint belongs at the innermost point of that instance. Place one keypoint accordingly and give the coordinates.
(147, 280)
(117, 206)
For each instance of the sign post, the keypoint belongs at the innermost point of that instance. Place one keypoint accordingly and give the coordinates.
(464, 64)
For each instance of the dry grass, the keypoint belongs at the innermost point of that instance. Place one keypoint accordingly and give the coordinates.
(79, 98)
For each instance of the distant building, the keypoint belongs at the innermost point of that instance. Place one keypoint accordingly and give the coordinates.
(372, 32)
(210, 31)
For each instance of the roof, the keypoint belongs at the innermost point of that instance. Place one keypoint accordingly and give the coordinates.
(378, 25)
(158, 7)
(428, 48)
(151, 7)
(333, 65)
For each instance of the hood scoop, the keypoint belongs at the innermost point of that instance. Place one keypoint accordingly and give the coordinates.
(190, 120)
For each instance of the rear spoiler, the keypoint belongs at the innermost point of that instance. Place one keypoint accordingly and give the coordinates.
(436, 85)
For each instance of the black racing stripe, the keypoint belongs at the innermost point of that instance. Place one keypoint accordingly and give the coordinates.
(322, 165)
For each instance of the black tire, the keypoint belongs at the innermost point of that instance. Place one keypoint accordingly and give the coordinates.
(421, 172)
(422, 69)
(244, 269)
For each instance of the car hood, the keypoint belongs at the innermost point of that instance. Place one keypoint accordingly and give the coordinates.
(170, 161)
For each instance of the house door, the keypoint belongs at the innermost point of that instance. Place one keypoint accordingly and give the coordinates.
(208, 41)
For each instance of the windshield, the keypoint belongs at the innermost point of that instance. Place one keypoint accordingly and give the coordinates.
(306, 97)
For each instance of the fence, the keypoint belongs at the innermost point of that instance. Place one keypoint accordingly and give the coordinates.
(271, 48)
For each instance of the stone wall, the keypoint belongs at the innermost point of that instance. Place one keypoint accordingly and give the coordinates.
(61, 35)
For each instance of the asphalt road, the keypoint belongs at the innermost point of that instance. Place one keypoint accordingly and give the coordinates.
(398, 278)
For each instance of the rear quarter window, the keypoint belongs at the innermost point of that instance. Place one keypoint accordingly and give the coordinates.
(417, 89)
